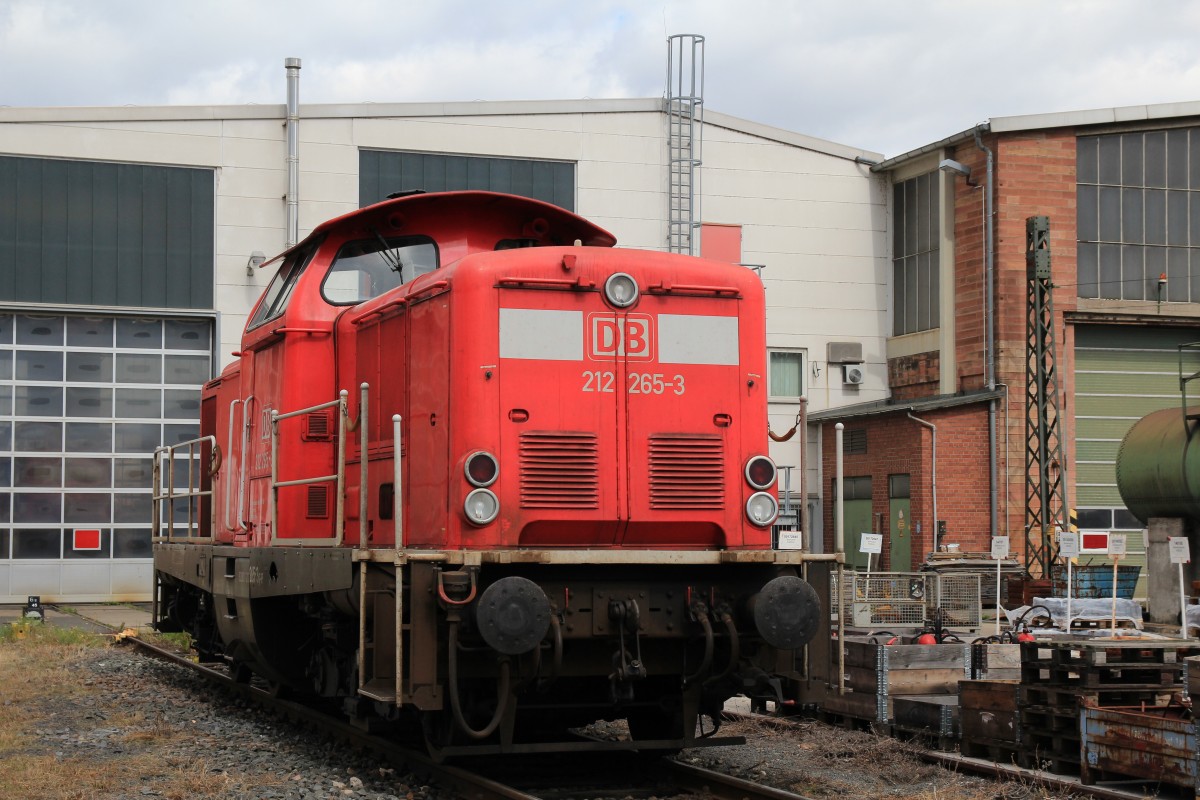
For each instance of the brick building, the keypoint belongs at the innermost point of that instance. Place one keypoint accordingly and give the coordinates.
(1121, 189)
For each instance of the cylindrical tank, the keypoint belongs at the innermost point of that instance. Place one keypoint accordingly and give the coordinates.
(1158, 466)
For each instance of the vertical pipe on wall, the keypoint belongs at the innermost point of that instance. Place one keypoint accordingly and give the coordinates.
(808, 537)
(989, 361)
(933, 476)
(292, 65)
(839, 548)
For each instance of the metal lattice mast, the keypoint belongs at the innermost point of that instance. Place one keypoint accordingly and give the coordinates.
(685, 122)
(1045, 471)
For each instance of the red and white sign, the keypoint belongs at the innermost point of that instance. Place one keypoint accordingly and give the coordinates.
(629, 337)
(86, 539)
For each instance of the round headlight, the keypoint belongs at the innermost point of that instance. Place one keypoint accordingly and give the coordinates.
(760, 472)
(481, 469)
(621, 290)
(761, 509)
(481, 507)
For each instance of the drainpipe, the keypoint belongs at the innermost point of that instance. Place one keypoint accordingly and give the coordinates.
(933, 477)
(804, 473)
(839, 543)
(989, 326)
(292, 65)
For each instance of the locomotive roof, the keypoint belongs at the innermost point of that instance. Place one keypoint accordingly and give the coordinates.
(562, 226)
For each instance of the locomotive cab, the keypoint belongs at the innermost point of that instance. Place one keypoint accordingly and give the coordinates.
(479, 465)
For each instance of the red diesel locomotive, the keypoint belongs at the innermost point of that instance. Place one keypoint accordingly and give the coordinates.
(476, 466)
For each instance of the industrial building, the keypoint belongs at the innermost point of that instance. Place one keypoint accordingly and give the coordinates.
(130, 239)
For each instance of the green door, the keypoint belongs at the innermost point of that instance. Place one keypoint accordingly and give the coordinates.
(900, 525)
(858, 519)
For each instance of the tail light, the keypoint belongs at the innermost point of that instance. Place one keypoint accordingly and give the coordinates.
(481, 469)
(760, 472)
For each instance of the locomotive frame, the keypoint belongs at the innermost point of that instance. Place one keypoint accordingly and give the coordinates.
(546, 550)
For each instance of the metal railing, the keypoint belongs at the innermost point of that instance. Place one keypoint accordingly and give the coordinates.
(909, 599)
(167, 495)
(338, 478)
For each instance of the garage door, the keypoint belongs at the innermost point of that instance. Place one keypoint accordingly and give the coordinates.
(84, 400)
(1122, 373)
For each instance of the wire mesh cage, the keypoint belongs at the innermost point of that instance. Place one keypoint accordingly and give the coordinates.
(909, 599)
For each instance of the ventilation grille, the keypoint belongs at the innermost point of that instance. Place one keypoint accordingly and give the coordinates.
(559, 470)
(687, 472)
(317, 427)
(318, 502)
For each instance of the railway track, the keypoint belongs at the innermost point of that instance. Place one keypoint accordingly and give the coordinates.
(494, 778)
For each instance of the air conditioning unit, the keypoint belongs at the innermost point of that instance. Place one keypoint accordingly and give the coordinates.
(852, 374)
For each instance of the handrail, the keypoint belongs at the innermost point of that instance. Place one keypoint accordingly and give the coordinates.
(170, 495)
(239, 524)
(338, 478)
(579, 283)
(397, 486)
(363, 527)
(667, 288)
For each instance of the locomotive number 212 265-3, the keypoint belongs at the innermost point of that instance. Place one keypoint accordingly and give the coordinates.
(637, 382)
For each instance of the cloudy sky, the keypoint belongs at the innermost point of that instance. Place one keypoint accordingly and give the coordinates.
(883, 75)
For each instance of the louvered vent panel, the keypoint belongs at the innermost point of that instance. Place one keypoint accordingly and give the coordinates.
(559, 470)
(687, 472)
(318, 502)
(316, 427)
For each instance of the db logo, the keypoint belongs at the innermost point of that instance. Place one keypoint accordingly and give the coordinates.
(629, 337)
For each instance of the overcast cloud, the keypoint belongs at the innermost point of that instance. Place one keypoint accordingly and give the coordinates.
(883, 75)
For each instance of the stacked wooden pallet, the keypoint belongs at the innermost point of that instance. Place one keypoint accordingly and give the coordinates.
(1035, 722)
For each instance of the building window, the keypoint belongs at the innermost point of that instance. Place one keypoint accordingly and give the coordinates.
(915, 281)
(786, 380)
(1138, 198)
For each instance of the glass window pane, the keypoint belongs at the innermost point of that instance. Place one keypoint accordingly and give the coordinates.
(1194, 158)
(187, 334)
(89, 332)
(910, 294)
(1177, 152)
(1110, 160)
(188, 370)
(91, 509)
(6, 365)
(90, 367)
(6, 399)
(1133, 286)
(37, 471)
(1110, 214)
(899, 211)
(88, 473)
(923, 213)
(39, 365)
(1156, 264)
(1156, 159)
(5, 435)
(84, 401)
(132, 543)
(1194, 277)
(1131, 216)
(69, 550)
(6, 328)
(139, 368)
(1194, 218)
(133, 508)
(177, 434)
(787, 374)
(132, 473)
(898, 298)
(38, 437)
(182, 404)
(1086, 149)
(37, 544)
(45, 331)
(1110, 271)
(5, 507)
(1178, 275)
(1086, 268)
(89, 437)
(1088, 211)
(140, 438)
(913, 212)
(5, 471)
(39, 401)
(29, 507)
(1156, 216)
(139, 333)
(138, 403)
(1131, 159)
(1177, 218)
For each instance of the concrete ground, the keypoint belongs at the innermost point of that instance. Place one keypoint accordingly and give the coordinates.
(97, 617)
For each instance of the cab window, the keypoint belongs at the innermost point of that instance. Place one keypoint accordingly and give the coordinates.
(279, 292)
(366, 268)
